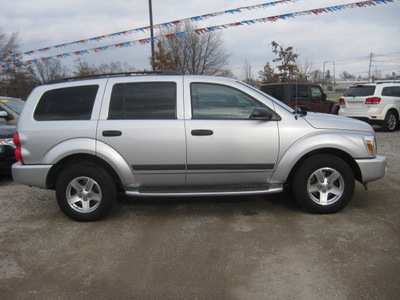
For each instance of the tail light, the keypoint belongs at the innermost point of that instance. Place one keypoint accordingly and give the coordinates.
(342, 102)
(372, 100)
(17, 143)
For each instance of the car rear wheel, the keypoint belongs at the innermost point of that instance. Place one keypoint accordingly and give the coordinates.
(85, 192)
(323, 183)
(391, 121)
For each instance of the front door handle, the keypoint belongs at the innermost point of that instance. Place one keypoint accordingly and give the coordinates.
(202, 132)
(112, 133)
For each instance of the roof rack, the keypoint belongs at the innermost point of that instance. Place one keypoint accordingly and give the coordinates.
(109, 75)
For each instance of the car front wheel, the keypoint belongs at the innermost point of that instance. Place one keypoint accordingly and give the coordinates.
(323, 183)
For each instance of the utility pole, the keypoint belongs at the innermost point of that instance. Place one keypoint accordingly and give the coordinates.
(369, 70)
(151, 34)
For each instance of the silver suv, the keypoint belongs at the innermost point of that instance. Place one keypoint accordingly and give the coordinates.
(179, 135)
(375, 103)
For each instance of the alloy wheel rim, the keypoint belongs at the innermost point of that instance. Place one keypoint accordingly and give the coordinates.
(391, 122)
(83, 194)
(325, 186)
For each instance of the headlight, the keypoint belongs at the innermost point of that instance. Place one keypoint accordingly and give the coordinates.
(7, 142)
(370, 143)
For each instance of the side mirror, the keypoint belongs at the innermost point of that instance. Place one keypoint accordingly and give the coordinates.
(4, 114)
(323, 97)
(260, 113)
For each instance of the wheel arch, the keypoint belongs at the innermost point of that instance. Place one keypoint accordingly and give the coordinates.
(80, 159)
(336, 152)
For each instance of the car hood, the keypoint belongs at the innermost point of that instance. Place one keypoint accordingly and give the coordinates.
(328, 121)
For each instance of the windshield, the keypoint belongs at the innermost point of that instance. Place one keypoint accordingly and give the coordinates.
(13, 103)
(276, 101)
(360, 91)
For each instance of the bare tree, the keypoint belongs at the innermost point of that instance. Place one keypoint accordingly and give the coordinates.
(9, 44)
(45, 71)
(346, 76)
(198, 52)
(305, 71)
(14, 81)
(248, 74)
(114, 67)
(84, 68)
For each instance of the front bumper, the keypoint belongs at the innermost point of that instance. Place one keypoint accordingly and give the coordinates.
(32, 175)
(372, 169)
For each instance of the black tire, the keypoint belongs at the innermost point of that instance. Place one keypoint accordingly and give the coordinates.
(315, 192)
(391, 121)
(85, 192)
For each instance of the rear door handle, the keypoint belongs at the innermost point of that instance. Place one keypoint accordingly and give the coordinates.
(202, 132)
(112, 133)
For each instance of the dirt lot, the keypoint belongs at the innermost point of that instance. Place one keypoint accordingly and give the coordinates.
(205, 248)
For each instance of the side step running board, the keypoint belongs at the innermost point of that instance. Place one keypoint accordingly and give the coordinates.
(205, 191)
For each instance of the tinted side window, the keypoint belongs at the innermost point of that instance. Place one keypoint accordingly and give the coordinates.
(72, 103)
(393, 91)
(144, 100)
(302, 92)
(213, 101)
(388, 91)
(275, 91)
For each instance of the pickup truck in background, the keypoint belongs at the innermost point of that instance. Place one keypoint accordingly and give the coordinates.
(306, 96)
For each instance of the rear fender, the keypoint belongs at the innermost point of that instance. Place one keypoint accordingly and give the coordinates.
(95, 148)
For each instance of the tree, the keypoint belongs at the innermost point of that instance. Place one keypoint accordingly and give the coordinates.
(268, 75)
(45, 71)
(164, 60)
(346, 76)
(286, 64)
(9, 44)
(197, 51)
(84, 68)
(248, 74)
(14, 81)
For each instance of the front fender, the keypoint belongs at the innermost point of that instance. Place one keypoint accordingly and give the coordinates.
(352, 144)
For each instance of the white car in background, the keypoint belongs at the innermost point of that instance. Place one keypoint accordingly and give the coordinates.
(375, 103)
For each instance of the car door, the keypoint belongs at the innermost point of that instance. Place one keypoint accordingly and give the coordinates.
(317, 102)
(224, 145)
(142, 120)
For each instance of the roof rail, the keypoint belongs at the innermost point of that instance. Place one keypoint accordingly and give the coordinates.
(109, 75)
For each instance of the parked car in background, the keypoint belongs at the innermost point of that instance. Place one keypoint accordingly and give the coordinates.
(306, 96)
(376, 103)
(7, 148)
(10, 109)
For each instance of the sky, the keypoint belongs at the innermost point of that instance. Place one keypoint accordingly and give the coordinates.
(339, 41)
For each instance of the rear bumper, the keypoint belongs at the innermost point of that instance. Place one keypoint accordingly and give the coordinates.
(372, 169)
(370, 115)
(32, 175)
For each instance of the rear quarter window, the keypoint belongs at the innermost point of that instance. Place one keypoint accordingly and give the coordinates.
(393, 91)
(72, 103)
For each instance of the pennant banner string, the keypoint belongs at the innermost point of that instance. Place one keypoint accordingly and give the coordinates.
(157, 26)
(204, 30)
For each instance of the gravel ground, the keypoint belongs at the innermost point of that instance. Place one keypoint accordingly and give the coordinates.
(205, 248)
